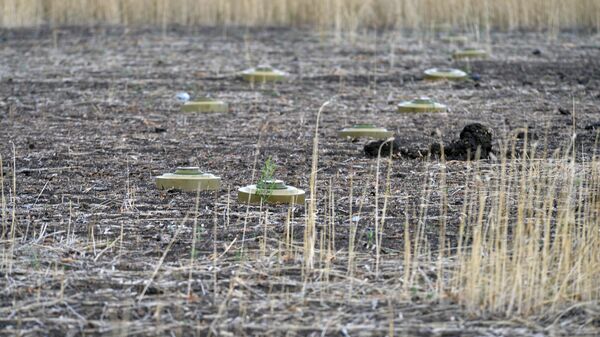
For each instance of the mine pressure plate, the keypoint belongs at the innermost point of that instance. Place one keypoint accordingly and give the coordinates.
(188, 179)
(271, 191)
(365, 131)
(423, 104)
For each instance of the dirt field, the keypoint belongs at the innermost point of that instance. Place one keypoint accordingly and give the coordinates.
(92, 118)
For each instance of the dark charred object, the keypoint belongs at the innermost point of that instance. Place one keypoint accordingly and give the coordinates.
(564, 111)
(372, 148)
(473, 138)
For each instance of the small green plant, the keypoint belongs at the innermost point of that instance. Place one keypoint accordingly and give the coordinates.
(266, 183)
(239, 255)
(370, 237)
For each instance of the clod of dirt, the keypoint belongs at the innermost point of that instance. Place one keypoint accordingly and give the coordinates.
(472, 137)
(537, 52)
(564, 111)
(372, 148)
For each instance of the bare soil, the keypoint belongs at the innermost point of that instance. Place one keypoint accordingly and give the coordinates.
(90, 118)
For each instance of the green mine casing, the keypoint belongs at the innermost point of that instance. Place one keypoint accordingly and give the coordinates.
(274, 192)
(423, 104)
(436, 74)
(205, 105)
(263, 74)
(188, 179)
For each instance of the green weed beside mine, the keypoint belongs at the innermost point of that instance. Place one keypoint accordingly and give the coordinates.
(266, 182)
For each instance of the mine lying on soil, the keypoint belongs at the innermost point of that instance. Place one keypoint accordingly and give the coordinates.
(435, 74)
(271, 191)
(263, 73)
(188, 179)
(365, 131)
(423, 104)
(205, 104)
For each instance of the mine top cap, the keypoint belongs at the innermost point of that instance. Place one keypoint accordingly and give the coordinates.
(444, 70)
(274, 184)
(423, 100)
(264, 67)
(188, 170)
(363, 126)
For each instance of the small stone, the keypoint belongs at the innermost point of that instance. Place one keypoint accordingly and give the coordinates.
(476, 77)
(182, 97)
(537, 52)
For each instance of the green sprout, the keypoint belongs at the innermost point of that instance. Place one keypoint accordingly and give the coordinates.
(266, 183)
(370, 237)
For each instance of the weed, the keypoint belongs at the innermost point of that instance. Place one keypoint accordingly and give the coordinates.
(266, 183)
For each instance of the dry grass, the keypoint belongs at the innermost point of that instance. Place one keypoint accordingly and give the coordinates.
(531, 227)
(340, 15)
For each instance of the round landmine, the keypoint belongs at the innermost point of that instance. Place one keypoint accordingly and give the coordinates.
(263, 74)
(423, 104)
(456, 39)
(436, 74)
(271, 191)
(471, 53)
(205, 104)
(188, 179)
(365, 131)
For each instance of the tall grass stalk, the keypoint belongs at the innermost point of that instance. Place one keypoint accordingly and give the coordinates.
(533, 237)
(310, 233)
